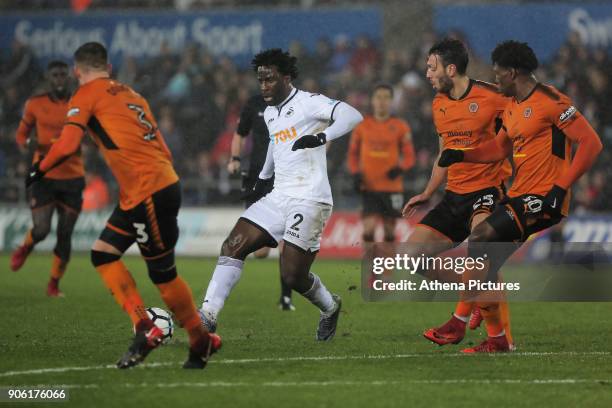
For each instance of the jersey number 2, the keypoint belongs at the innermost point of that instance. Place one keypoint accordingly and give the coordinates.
(299, 218)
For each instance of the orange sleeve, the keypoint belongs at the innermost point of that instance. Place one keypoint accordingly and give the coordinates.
(408, 156)
(67, 144)
(491, 151)
(25, 126)
(589, 147)
(80, 107)
(354, 150)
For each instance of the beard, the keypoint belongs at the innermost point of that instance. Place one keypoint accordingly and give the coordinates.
(446, 84)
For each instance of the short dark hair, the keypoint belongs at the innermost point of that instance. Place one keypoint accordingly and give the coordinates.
(383, 85)
(283, 61)
(515, 54)
(91, 54)
(452, 51)
(56, 64)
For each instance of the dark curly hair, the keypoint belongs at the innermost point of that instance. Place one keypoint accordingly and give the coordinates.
(283, 61)
(56, 64)
(452, 51)
(515, 54)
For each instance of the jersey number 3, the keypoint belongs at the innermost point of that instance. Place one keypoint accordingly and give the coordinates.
(142, 119)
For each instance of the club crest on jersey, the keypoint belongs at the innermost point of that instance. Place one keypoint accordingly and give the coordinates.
(568, 113)
(289, 112)
(73, 112)
(527, 113)
(473, 107)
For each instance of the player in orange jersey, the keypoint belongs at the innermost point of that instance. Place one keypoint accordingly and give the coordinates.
(122, 125)
(380, 151)
(466, 113)
(62, 188)
(539, 126)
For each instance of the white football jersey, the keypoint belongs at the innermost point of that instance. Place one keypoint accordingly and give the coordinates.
(301, 173)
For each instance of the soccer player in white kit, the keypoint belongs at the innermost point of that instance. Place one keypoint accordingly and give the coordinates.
(299, 123)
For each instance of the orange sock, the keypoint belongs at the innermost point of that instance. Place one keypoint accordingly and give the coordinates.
(28, 242)
(492, 316)
(463, 309)
(118, 279)
(504, 309)
(58, 267)
(177, 296)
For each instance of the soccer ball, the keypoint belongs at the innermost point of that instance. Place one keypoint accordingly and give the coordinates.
(162, 319)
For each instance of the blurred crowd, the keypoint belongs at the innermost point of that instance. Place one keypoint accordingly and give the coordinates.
(197, 98)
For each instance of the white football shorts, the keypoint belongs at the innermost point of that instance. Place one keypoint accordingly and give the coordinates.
(293, 220)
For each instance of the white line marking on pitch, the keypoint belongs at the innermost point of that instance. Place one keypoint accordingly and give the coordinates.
(313, 358)
(280, 384)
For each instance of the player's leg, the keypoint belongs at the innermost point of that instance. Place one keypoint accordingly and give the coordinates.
(484, 240)
(390, 210)
(389, 224)
(157, 231)
(296, 266)
(244, 239)
(106, 252)
(69, 199)
(441, 229)
(370, 215)
(477, 317)
(284, 302)
(260, 225)
(302, 237)
(42, 207)
(155, 224)
(116, 237)
(369, 221)
(465, 309)
(512, 224)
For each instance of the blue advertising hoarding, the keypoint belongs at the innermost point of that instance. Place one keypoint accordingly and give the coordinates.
(544, 26)
(237, 35)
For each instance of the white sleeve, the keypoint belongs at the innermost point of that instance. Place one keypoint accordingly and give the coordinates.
(267, 171)
(321, 107)
(344, 119)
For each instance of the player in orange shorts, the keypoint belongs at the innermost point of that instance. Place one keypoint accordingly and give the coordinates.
(540, 124)
(122, 125)
(61, 189)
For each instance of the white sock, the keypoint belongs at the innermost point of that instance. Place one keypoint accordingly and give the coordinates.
(320, 296)
(226, 275)
(464, 319)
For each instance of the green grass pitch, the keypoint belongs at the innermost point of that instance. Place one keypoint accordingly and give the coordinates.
(270, 358)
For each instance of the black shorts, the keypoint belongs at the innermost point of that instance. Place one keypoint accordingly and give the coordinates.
(381, 203)
(515, 219)
(248, 182)
(68, 192)
(453, 215)
(152, 224)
